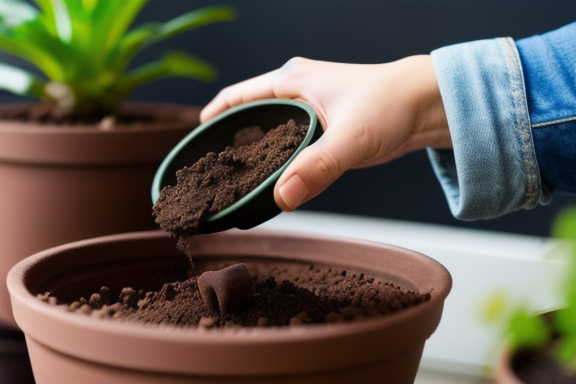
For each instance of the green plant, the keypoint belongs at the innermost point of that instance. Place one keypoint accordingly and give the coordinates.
(525, 330)
(83, 49)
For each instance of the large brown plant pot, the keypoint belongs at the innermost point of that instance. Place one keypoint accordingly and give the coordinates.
(65, 183)
(70, 347)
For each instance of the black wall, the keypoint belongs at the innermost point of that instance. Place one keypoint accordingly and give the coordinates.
(269, 32)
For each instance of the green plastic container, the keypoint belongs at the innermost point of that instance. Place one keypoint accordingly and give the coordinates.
(257, 206)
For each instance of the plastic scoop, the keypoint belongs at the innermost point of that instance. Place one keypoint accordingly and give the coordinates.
(257, 206)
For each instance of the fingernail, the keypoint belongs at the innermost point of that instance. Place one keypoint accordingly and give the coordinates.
(293, 191)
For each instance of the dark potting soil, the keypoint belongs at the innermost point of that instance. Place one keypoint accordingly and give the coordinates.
(47, 113)
(284, 294)
(536, 368)
(217, 181)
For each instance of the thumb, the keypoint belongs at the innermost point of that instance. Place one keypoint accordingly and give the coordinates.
(312, 171)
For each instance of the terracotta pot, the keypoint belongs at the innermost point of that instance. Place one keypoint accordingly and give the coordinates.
(504, 372)
(65, 346)
(509, 361)
(61, 184)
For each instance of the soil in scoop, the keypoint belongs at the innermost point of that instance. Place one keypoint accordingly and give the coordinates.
(217, 181)
(285, 294)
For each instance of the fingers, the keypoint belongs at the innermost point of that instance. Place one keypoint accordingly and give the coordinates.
(287, 82)
(260, 87)
(313, 170)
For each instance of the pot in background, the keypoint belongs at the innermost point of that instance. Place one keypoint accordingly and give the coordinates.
(504, 372)
(65, 346)
(66, 183)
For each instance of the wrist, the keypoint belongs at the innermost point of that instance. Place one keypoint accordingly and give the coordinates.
(430, 125)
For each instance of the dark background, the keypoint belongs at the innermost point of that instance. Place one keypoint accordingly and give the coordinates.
(269, 32)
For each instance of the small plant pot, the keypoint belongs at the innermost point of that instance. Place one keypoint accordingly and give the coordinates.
(504, 372)
(532, 366)
(63, 183)
(66, 346)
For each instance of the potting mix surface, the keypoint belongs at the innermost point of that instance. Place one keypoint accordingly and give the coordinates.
(284, 294)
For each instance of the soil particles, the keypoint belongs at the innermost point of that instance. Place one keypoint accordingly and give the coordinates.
(284, 294)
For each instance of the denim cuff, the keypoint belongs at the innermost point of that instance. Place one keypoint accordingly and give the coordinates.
(492, 168)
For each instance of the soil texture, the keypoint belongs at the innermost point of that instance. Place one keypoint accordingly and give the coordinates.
(284, 294)
(217, 181)
(535, 367)
(47, 113)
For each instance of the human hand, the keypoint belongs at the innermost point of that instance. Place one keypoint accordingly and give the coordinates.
(371, 114)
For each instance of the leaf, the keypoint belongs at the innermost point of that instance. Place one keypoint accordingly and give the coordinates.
(527, 330)
(564, 226)
(195, 19)
(111, 20)
(151, 33)
(14, 13)
(57, 18)
(20, 82)
(31, 53)
(32, 42)
(177, 64)
(565, 323)
(131, 44)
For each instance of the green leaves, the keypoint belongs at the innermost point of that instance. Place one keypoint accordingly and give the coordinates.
(172, 64)
(196, 19)
(87, 45)
(56, 18)
(152, 33)
(565, 319)
(527, 330)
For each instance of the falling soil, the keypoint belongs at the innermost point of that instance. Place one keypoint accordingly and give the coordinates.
(284, 294)
(217, 181)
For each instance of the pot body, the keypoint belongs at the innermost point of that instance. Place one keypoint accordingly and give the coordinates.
(61, 184)
(504, 372)
(64, 346)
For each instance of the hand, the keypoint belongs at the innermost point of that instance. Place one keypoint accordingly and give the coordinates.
(371, 114)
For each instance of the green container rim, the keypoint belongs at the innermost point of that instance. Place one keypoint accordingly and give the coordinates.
(181, 146)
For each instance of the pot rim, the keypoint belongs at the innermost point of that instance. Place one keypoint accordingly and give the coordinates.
(178, 113)
(203, 343)
(87, 145)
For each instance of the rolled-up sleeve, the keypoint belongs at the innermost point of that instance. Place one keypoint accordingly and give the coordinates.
(492, 169)
(549, 65)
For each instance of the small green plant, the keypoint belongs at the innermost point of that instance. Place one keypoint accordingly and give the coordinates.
(527, 331)
(83, 49)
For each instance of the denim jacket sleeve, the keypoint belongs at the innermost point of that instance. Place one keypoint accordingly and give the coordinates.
(493, 168)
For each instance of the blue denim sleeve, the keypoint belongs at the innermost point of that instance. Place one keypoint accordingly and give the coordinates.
(492, 168)
(549, 65)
